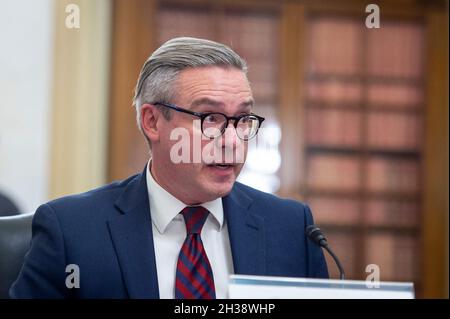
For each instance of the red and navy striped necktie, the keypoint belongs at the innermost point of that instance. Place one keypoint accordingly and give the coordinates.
(194, 278)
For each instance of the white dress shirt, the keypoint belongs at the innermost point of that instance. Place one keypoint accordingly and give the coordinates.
(169, 233)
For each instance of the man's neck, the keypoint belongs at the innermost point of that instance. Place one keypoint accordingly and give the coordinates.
(160, 181)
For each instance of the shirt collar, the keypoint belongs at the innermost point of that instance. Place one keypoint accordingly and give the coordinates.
(165, 207)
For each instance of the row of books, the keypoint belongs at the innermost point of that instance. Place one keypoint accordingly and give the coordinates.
(334, 46)
(392, 213)
(347, 211)
(393, 175)
(336, 172)
(343, 173)
(341, 93)
(249, 31)
(333, 127)
(394, 131)
(389, 131)
(339, 46)
(334, 211)
(396, 50)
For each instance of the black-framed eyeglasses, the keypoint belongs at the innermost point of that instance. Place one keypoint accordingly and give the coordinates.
(213, 124)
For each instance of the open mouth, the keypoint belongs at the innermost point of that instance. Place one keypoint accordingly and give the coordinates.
(221, 166)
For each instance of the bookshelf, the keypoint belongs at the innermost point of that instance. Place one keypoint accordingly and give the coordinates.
(364, 103)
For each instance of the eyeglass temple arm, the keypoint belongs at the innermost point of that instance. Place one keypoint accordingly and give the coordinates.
(176, 108)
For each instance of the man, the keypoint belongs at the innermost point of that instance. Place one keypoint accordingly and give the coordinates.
(181, 227)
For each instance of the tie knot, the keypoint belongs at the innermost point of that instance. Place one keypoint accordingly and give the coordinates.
(194, 217)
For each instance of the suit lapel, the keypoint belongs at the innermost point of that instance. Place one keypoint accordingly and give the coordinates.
(247, 235)
(132, 236)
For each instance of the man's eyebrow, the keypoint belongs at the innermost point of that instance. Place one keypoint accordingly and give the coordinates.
(214, 103)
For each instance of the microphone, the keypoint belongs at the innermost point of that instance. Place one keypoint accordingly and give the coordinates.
(315, 234)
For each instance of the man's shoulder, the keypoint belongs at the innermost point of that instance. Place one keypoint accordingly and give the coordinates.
(281, 215)
(98, 199)
(271, 201)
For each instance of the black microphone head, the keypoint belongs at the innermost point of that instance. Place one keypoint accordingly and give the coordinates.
(315, 234)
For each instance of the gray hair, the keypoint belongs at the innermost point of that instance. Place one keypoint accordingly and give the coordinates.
(159, 73)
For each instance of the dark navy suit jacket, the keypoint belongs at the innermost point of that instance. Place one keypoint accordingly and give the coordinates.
(107, 233)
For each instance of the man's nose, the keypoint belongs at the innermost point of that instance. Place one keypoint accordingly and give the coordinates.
(229, 137)
(231, 146)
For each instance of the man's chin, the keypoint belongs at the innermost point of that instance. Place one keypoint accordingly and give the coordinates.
(218, 190)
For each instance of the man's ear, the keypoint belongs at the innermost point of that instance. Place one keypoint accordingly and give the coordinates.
(150, 115)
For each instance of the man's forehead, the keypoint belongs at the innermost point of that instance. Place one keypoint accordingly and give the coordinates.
(214, 86)
(213, 76)
(247, 102)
